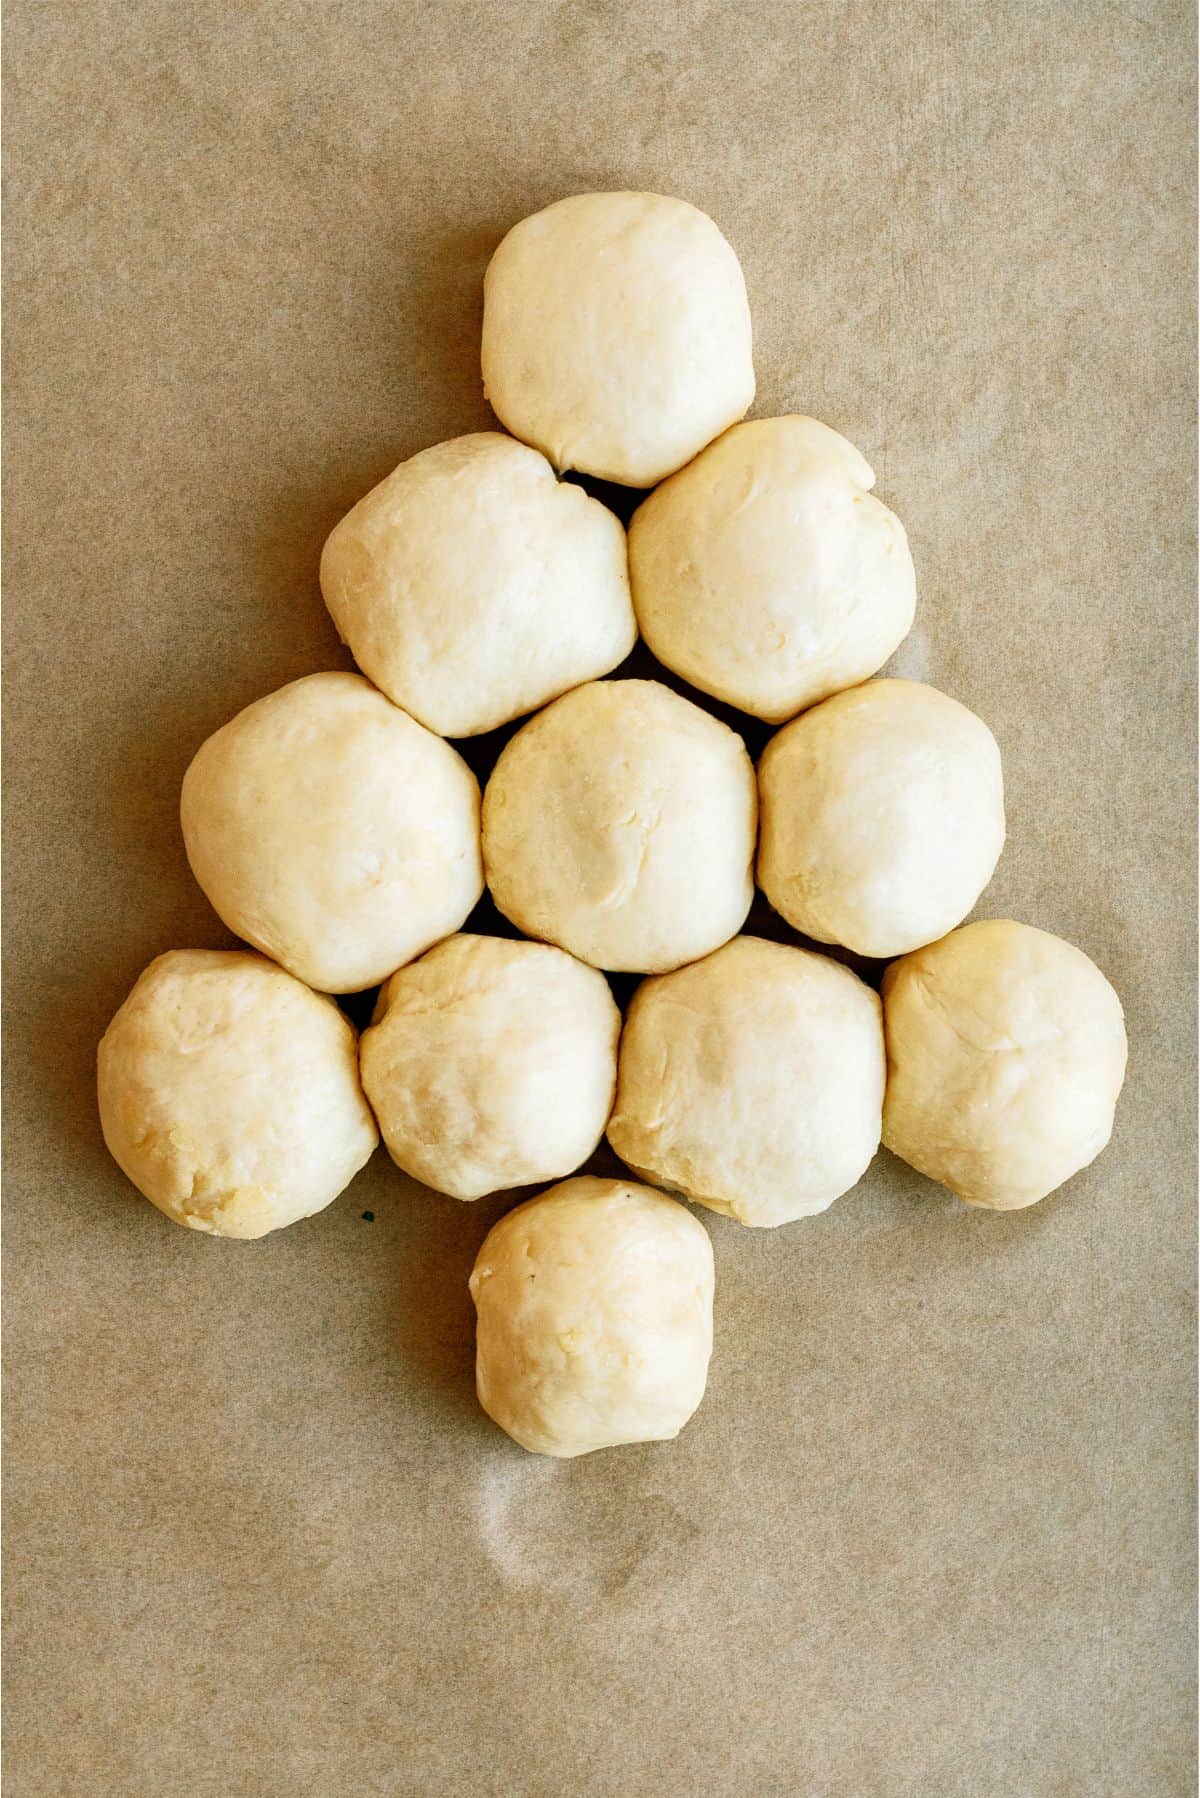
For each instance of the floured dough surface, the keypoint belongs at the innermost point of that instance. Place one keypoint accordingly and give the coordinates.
(882, 817)
(620, 824)
(1006, 1055)
(767, 573)
(492, 1064)
(229, 1093)
(594, 1328)
(752, 1082)
(616, 334)
(473, 586)
(333, 831)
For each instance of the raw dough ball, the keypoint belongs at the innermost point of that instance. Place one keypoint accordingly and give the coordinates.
(472, 585)
(767, 574)
(752, 1082)
(619, 823)
(616, 334)
(229, 1093)
(492, 1064)
(334, 832)
(882, 817)
(1006, 1053)
(595, 1318)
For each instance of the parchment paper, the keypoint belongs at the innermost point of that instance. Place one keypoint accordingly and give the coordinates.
(931, 1531)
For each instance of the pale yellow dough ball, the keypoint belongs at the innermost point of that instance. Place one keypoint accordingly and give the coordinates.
(616, 334)
(492, 1064)
(1006, 1054)
(594, 1326)
(229, 1093)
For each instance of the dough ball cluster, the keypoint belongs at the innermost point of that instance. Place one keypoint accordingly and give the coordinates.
(337, 831)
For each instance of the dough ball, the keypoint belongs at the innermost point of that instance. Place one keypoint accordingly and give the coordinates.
(619, 823)
(594, 1307)
(752, 1082)
(472, 585)
(333, 832)
(616, 334)
(492, 1064)
(1006, 1053)
(229, 1093)
(882, 817)
(767, 574)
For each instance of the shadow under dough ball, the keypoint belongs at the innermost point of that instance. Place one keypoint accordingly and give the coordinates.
(1006, 1055)
(229, 1093)
(616, 334)
(620, 824)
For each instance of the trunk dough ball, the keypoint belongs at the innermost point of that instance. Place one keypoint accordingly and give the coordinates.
(1006, 1053)
(620, 823)
(333, 831)
(594, 1328)
(492, 1064)
(229, 1093)
(766, 574)
(473, 586)
(752, 1082)
(616, 334)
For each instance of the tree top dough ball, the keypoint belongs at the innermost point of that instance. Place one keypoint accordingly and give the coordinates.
(620, 823)
(333, 831)
(594, 1307)
(752, 1081)
(229, 1093)
(767, 574)
(472, 585)
(616, 334)
(1006, 1054)
(882, 817)
(492, 1064)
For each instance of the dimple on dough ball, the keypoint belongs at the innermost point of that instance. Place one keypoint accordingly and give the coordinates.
(616, 334)
(619, 823)
(229, 1093)
(472, 585)
(492, 1064)
(594, 1326)
(1006, 1053)
(882, 817)
(333, 831)
(767, 574)
(752, 1082)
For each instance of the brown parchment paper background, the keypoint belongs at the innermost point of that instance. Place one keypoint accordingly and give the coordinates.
(931, 1532)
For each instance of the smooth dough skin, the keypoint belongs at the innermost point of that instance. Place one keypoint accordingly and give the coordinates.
(594, 1307)
(333, 831)
(767, 574)
(882, 817)
(616, 334)
(1006, 1053)
(472, 585)
(229, 1093)
(492, 1064)
(620, 824)
(752, 1082)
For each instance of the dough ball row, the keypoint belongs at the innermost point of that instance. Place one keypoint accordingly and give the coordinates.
(336, 831)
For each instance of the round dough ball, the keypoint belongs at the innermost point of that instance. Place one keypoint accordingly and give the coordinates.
(333, 831)
(229, 1093)
(619, 823)
(882, 817)
(491, 1064)
(472, 585)
(616, 334)
(1006, 1053)
(594, 1307)
(752, 1082)
(767, 574)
